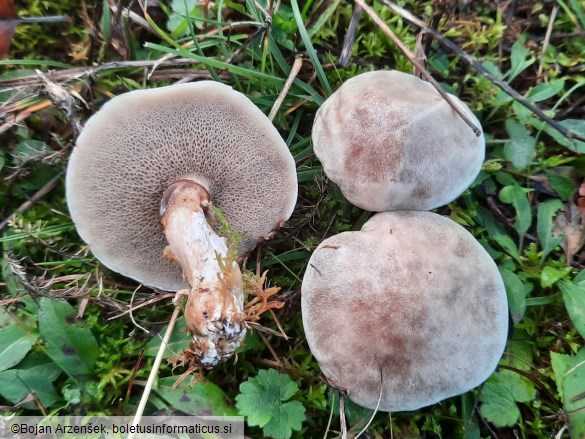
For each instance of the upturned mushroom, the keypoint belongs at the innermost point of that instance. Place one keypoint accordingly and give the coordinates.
(406, 312)
(391, 142)
(163, 156)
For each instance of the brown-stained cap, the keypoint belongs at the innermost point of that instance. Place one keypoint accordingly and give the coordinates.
(411, 307)
(391, 142)
(141, 142)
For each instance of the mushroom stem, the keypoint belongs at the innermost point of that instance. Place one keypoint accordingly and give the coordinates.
(214, 311)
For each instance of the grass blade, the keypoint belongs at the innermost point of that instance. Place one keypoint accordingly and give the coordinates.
(309, 46)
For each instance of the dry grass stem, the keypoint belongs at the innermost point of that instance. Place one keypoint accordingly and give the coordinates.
(546, 41)
(477, 66)
(48, 187)
(132, 308)
(154, 371)
(419, 67)
(350, 36)
(291, 77)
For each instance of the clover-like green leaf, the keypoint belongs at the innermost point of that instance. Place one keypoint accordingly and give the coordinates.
(500, 395)
(262, 400)
(290, 417)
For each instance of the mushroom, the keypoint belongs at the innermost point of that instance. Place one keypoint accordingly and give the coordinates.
(391, 142)
(406, 312)
(171, 152)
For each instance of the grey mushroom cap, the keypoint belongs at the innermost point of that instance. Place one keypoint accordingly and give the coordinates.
(391, 142)
(141, 142)
(411, 308)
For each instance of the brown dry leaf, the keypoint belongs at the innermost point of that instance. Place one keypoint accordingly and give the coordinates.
(7, 9)
(570, 222)
(7, 25)
(6, 34)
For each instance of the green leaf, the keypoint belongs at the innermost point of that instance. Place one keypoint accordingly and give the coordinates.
(546, 90)
(28, 150)
(497, 232)
(14, 345)
(574, 298)
(517, 197)
(498, 405)
(310, 49)
(569, 374)
(290, 417)
(522, 113)
(184, 11)
(518, 351)
(201, 399)
(261, 402)
(323, 18)
(546, 212)
(520, 58)
(500, 394)
(517, 290)
(579, 11)
(580, 278)
(469, 414)
(520, 150)
(68, 343)
(561, 185)
(179, 340)
(34, 375)
(560, 363)
(550, 275)
(357, 415)
(575, 125)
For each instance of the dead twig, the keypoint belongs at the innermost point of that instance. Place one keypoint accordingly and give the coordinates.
(48, 187)
(133, 308)
(350, 36)
(477, 66)
(78, 73)
(291, 77)
(545, 43)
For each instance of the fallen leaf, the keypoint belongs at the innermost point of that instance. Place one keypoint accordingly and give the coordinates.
(6, 34)
(7, 9)
(7, 25)
(570, 223)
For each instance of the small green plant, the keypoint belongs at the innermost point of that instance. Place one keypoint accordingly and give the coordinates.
(500, 395)
(569, 375)
(263, 401)
(522, 208)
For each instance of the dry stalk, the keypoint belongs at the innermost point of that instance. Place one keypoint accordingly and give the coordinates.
(154, 371)
(419, 67)
(291, 77)
(545, 43)
(477, 66)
